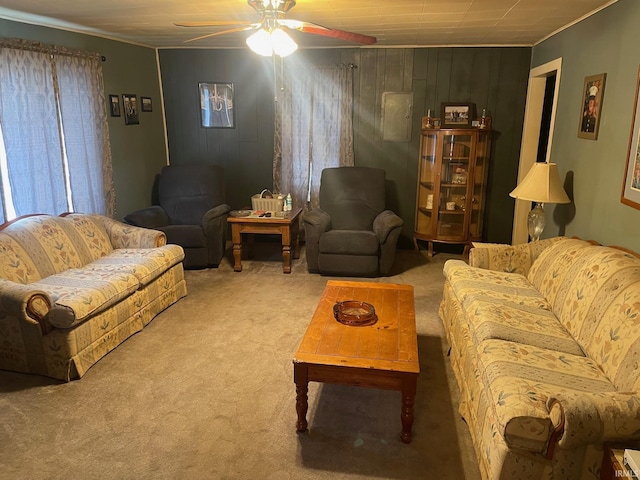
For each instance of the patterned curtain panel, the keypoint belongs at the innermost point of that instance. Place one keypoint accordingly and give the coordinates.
(314, 128)
(53, 122)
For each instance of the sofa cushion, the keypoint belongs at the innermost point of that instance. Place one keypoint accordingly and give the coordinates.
(508, 258)
(505, 306)
(509, 320)
(519, 379)
(349, 242)
(90, 234)
(49, 242)
(79, 293)
(554, 267)
(146, 264)
(471, 283)
(16, 263)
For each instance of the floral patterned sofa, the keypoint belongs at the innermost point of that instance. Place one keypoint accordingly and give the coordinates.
(72, 288)
(545, 346)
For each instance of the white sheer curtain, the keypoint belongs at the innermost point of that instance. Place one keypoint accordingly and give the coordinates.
(29, 120)
(54, 129)
(314, 128)
(86, 133)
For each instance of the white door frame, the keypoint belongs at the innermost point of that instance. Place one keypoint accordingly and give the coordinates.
(531, 137)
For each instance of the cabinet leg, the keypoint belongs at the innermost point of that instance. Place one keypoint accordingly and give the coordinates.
(430, 251)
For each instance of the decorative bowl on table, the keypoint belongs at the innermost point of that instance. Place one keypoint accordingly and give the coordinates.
(355, 313)
(240, 213)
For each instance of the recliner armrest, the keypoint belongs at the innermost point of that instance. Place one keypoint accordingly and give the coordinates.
(215, 212)
(384, 223)
(151, 217)
(317, 219)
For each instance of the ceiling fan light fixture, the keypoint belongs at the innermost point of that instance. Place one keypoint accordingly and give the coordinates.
(260, 43)
(267, 43)
(282, 43)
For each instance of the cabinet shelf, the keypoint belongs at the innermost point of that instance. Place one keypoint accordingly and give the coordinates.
(454, 185)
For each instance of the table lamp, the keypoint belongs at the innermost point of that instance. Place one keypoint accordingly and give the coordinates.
(541, 185)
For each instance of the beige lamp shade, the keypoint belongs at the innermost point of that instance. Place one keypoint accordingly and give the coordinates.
(542, 184)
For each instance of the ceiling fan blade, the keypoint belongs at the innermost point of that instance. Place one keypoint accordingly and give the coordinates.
(307, 27)
(221, 23)
(232, 30)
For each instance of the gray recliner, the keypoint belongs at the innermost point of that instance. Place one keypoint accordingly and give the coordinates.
(191, 211)
(351, 233)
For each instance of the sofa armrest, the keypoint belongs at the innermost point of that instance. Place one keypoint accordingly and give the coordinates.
(128, 236)
(594, 418)
(384, 224)
(151, 217)
(509, 258)
(216, 212)
(25, 302)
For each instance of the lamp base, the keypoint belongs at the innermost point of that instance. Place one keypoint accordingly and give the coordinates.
(537, 219)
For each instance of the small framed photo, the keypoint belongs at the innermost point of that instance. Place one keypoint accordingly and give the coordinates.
(216, 105)
(130, 104)
(147, 106)
(114, 105)
(631, 185)
(457, 115)
(591, 106)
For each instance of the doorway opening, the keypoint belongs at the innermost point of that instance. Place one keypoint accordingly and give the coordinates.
(537, 133)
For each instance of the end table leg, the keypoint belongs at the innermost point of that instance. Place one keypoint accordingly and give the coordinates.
(408, 399)
(301, 379)
(286, 258)
(236, 237)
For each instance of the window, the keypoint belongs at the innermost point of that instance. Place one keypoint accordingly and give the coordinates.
(54, 144)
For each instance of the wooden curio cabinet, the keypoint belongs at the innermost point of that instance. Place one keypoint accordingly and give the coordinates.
(452, 179)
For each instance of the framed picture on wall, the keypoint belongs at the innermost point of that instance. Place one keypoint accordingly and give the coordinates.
(130, 104)
(456, 115)
(591, 106)
(216, 105)
(631, 185)
(146, 104)
(114, 105)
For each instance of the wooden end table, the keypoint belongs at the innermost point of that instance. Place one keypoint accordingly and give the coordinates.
(383, 355)
(286, 226)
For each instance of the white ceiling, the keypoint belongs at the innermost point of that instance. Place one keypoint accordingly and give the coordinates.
(393, 22)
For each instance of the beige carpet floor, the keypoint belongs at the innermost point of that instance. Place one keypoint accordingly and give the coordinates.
(206, 392)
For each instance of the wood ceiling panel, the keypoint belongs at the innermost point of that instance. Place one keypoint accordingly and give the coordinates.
(150, 22)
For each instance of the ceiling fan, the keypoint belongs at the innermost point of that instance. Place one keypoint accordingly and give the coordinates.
(270, 37)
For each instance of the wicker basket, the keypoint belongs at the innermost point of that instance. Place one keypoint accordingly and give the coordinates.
(258, 202)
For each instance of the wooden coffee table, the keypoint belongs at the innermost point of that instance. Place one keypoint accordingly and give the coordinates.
(286, 226)
(383, 355)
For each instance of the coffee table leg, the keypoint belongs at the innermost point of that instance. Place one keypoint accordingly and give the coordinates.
(408, 398)
(301, 378)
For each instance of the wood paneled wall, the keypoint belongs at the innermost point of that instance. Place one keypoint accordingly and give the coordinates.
(492, 78)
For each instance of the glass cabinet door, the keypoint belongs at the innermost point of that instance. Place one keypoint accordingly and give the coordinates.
(426, 184)
(483, 148)
(454, 178)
